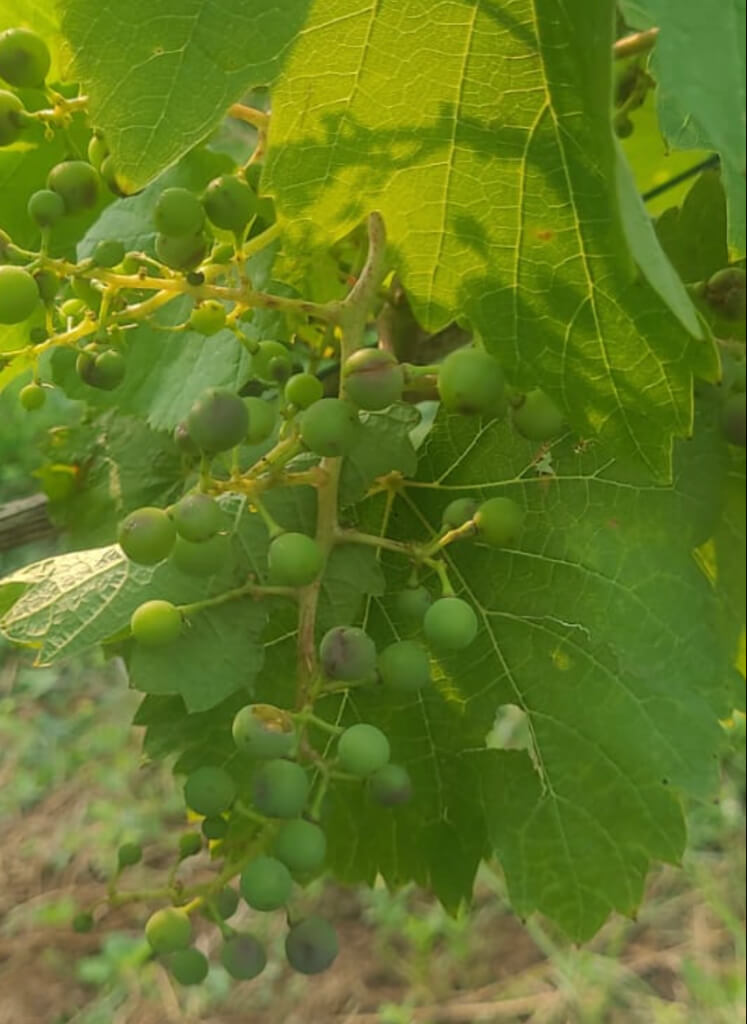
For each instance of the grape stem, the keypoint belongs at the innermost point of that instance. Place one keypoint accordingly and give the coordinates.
(250, 115)
(247, 590)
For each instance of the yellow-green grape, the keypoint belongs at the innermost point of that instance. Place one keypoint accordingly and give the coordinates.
(229, 203)
(197, 517)
(262, 419)
(218, 420)
(294, 560)
(266, 884)
(45, 208)
(106, 370)
(208, 318)
(301, 846)
(156, 623)
(458, 512)
(190, 844)
(167, 930)
(347, 653)
(107, 253)
(404, 665)
(362, 749)
(450, 624)
(19, 295)
(471, 382)
(97, 151)
(48, 284)
(264, 731)
(111, 177)
(181, 252)
(209, 790)
(147, 535)
(243, 957)
(188, 966)
(77, 183)
(129, 854)
(373, 378)
(73, 307)
(224, 903)
(280, 789)
(311, 946)
(303, 389)
(499, 521)
(32, 397)
(390, 785)
(537, 417)
(87, 291)
(329, 427)
(24, 58)
(178, 212)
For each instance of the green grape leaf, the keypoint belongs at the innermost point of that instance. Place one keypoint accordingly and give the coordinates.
(500, 198)
(694, 235)
(383, 446)
(218, 653)
(162, 85)
(699, 65)
(599, 626)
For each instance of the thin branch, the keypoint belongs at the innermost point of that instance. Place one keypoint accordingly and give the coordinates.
(635, 44)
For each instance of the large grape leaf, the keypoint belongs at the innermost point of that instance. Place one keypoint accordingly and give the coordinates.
(160, 76)
(499, 190)
(699, 65)
(600, 626)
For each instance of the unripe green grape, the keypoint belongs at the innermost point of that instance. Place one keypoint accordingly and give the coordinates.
(623, 126)
(280, 789)
(262, 419)
(329, 427)
(87, 291)
(197, 517)
(190, 844)
(263, 366)
(223, 252)
(311, 946)
(97, 151)
(215, 828)
(178, 212)
(111, 177)
(373, 378)
(471, 382)
(362, 749)
(209, 790)
(147, 535)
(458, 512)
(243, 957)
(229, 203)
(294, 560)
(24, 58)
(181, 252)
(37, 334)
(499, 521)
(538, 418)
(107, 370)
(73, 307)
(32, 397)
(218, 420)
(48, 284)
(156, 623)
(12, 117)
(733, 419)
(168, 930)
(45, 208)
(412, 603)
(76, 182)
(107, 253)
(266, 884)
(405, 666)
(19, 295)
(391, 785)
(183, 441)
(225, 903)
(301, 846)
(348, 653)
(188, 966)
(725, 291)
(83, 922)
(450, 624)
(129, 854)
(303, 389)
(263, 731)
(208, 318)
(206, 558)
